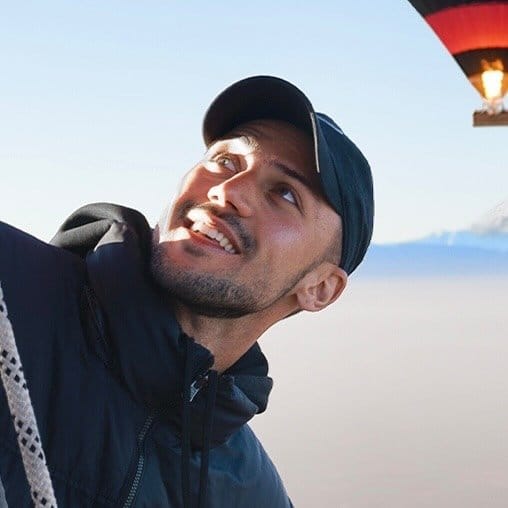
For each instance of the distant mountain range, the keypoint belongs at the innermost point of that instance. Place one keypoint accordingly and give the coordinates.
(480, 250)
(489, 241)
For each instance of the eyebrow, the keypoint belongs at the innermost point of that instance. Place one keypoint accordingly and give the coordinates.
(250, 141)
(246, 137)
(291, 173)
(246, 141)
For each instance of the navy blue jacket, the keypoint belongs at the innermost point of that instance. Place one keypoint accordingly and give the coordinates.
(128, 410)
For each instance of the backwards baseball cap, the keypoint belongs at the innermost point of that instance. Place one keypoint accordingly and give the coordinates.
(344, 172)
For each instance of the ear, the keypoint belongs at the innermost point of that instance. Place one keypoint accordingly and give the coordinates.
(321, 287)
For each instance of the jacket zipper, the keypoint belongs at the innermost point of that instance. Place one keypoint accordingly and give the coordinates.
(195, 387)
(141, 463)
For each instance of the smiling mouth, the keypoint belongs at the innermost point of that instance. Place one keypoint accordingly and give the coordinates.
(212, 233)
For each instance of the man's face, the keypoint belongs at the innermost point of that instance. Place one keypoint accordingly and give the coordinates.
(249, 222)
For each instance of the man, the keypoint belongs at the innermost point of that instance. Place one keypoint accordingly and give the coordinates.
(140, 350)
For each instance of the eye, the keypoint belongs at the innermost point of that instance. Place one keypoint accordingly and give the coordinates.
(287, 194)
(226, 162)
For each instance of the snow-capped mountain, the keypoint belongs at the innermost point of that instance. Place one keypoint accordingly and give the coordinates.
(480, 250)
(489, 232)
(491, 241)
(494, 222)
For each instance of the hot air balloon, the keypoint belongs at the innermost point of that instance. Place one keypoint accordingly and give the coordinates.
(476, 34)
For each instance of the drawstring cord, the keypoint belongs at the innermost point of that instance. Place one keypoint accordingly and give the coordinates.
(186, 428)
(23, 415)
(189, 391)
(207, 435)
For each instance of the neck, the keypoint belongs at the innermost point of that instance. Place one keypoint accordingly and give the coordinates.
(227, 339)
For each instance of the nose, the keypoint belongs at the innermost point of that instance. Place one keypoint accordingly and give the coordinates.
(238, 192)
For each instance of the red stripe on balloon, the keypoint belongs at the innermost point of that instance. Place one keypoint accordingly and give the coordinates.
(472, 26)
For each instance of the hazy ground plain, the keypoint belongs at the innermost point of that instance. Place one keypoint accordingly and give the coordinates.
(396, 397)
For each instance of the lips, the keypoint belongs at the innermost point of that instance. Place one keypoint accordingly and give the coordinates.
(214, 229)
(214, 234)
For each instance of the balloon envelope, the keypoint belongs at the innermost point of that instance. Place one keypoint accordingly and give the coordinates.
(476, 34)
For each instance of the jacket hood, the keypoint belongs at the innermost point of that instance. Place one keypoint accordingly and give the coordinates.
(134, 330)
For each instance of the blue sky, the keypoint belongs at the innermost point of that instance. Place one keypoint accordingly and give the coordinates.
(103, 101)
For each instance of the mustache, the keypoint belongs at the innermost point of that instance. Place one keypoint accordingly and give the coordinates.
(248, 242)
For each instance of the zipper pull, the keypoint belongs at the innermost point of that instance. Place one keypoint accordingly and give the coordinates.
(197, 384)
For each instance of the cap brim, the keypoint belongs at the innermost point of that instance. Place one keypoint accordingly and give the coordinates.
(256, 98)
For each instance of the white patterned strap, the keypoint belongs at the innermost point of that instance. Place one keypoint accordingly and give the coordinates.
(23, 415)
(3, 502)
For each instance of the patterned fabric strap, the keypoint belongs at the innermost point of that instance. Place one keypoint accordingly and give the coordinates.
(3, 502)
(23, 416)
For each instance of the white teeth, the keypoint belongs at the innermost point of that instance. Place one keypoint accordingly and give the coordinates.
(210, 232)
(214, 235)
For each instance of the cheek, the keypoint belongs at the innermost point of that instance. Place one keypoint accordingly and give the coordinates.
(297, 246)
(284, 241)
(193, 189)
(196, 185)
(164, 217)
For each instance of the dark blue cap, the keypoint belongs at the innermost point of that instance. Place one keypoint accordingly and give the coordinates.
(345, 173)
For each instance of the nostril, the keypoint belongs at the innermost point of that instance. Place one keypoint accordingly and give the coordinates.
(214, 194)
(236, 192)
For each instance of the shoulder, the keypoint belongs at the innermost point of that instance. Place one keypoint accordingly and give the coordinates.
(21, 250)
(23, 257)
(35, 277)
(254, 480)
